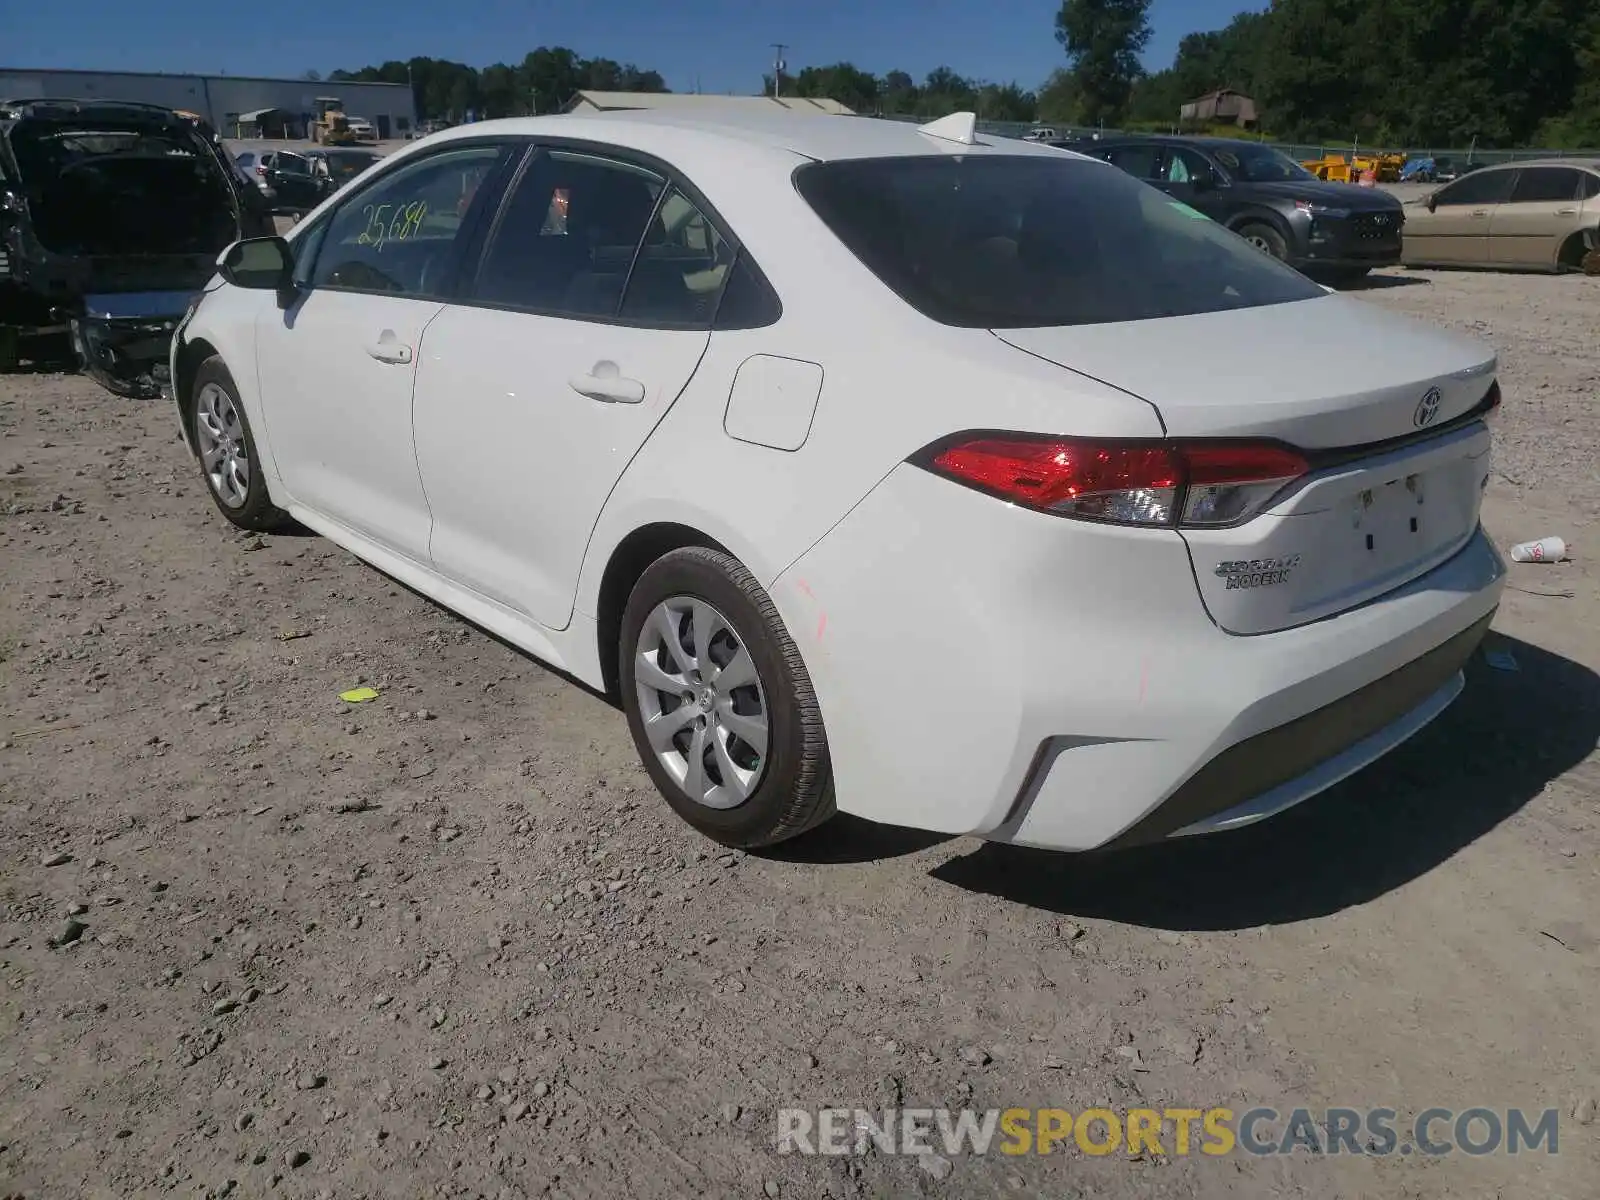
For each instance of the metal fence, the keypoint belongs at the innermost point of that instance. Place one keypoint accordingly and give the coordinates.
(1299, 151)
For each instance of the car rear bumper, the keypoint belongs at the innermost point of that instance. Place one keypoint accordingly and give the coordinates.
(125, 339)
(987, 670)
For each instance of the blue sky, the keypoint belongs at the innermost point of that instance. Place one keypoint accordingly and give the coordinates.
(722, 44)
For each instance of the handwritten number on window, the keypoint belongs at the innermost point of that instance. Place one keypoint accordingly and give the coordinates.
(391, 223)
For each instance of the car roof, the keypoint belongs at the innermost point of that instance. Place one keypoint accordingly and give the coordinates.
(713, 130)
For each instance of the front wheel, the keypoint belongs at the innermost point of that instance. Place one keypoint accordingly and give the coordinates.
(227, 450)
(1265, 239)
(720, 704)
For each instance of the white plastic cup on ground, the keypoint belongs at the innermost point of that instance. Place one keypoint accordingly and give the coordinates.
(1550, 549)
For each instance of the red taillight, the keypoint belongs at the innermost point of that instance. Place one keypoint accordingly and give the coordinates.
(260, 170)
(1132, 483)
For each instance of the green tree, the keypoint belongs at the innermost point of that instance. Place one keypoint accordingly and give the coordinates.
(845, 82)
(1103, 39)
(900, 93)
(1006, 102)
(1060, 99)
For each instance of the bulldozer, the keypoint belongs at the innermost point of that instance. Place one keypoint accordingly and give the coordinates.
(331, 127)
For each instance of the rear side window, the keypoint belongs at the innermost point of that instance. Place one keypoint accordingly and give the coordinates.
(568, 235)
(1138, 161)
(1545, 185)
(680, 269)
(1591, 186)
(590, 237)
(1024, 241)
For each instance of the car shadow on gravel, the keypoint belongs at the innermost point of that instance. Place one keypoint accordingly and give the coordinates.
(1492, 752)
(1378, 283)
(847, 839)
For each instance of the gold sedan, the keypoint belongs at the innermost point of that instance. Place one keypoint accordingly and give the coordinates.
(1542, 214)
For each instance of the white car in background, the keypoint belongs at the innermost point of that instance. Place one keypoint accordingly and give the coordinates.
(956, 483)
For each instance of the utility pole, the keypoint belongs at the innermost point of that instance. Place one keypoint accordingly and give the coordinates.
(778, 66)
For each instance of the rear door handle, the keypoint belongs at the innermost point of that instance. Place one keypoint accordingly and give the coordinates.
(1566, 212)
(387, 350)
(608, 385)
(1479, 212)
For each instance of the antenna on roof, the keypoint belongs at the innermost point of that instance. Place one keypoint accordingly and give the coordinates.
(957, 127)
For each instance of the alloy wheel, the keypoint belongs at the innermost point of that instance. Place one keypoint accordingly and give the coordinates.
(702, 702)
(220, 436)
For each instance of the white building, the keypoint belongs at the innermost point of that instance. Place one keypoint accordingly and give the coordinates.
(286, 105)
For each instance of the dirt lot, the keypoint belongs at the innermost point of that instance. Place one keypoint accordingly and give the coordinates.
(512, 973)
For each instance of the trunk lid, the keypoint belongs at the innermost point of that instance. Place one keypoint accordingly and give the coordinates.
(118, 184)
(1361, 392)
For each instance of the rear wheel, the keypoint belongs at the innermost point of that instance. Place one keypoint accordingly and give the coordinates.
(1265, 239)
(227, 450)
(720, 704)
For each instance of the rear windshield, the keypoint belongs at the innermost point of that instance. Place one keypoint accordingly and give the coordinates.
(1012, 241)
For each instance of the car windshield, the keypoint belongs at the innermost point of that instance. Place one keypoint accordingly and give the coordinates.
(1019, 241)
(1260, 164)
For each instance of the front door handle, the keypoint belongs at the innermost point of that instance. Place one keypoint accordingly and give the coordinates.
(1566, 212)
(389, 349)
(1479, 212)
(608, 385)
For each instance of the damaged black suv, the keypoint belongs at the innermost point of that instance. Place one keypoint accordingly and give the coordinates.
(112, 215)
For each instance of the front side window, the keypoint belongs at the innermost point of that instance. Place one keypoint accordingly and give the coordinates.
(1260, 164)
(569, 234)
(1019, 241)
(1481, 187)
(1545, 185)
(398, 235)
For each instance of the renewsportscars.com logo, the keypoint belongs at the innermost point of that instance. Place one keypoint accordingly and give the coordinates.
(1171, 1131)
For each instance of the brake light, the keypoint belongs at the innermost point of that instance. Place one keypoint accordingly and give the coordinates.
(1127, 483)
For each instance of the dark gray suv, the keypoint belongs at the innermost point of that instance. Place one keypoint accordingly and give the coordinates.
(1334, 231)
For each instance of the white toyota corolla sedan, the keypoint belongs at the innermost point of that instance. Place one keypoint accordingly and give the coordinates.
(950, 481)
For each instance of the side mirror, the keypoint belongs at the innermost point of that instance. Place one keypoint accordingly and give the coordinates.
(261, 264)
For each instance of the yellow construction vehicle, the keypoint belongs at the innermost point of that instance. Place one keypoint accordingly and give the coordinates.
(332, 127)
(1331, 167)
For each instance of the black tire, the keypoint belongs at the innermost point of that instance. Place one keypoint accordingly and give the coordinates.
(1266, 238)
(795, 790)
(10, 349)
(257, 512)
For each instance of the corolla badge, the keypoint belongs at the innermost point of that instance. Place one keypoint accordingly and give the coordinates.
(1256, 572)
(1427, 408)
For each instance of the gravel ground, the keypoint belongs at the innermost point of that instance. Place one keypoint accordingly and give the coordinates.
(449, 943)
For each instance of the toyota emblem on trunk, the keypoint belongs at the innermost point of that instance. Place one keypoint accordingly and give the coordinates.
(1427, 408)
